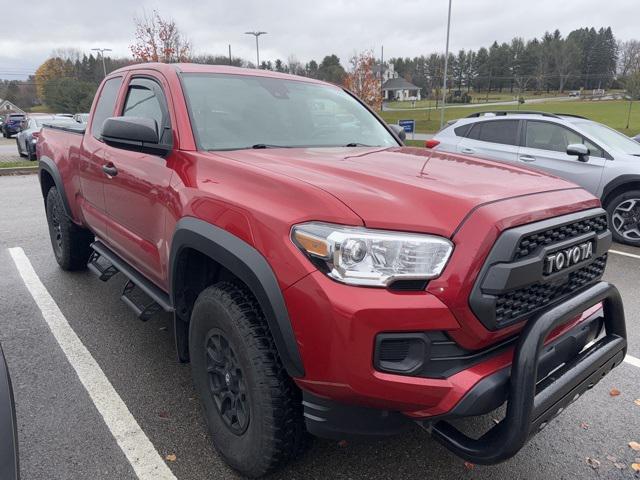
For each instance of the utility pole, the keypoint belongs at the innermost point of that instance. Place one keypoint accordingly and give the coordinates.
(381, 77)
(256, 34)
(446, 62)
(102, 50)
(230, 54)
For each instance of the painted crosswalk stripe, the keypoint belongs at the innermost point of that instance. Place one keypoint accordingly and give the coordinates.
(142, 455)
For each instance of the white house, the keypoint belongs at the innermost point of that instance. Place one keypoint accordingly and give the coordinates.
(397, 88)
(7, 107)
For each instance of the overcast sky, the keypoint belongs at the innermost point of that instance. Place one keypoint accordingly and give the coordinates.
(304, 28)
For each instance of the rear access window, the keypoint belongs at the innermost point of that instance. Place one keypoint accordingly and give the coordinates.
(496, 131)
(106, 105)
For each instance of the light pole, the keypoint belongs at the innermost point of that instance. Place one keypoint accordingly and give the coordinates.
(446, 62)
(102, 50)
(256, 34)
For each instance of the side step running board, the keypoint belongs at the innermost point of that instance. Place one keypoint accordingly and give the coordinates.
(105, 264)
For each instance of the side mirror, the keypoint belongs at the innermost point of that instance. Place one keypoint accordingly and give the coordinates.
(579, 150)
(399, 131)
(133, 133)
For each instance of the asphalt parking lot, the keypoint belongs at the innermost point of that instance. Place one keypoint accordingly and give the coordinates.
(64, 436)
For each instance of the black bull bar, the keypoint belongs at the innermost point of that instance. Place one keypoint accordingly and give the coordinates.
(531, 404)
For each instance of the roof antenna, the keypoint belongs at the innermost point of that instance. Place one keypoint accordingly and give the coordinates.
(424, 165)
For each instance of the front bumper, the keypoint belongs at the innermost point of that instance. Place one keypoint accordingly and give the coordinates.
(532, 404)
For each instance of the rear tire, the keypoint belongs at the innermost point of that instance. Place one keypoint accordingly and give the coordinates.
(71, 243)
(624, 217)
(252, 407)
(31, 155)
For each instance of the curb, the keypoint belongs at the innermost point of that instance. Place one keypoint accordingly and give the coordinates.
(18, 170)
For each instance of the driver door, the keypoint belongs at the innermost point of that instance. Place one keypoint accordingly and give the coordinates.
(136, 196)
(544, 146)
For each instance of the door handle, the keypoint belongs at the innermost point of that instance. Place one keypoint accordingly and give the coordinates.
(527, 158)
(468, 150)
(110, 169)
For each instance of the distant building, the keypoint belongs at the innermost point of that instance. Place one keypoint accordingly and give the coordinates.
(396, 88)
(7, 107)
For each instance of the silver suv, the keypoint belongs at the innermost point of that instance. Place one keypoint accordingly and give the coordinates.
(596, 157)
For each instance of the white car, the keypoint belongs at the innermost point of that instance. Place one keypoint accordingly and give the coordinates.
(594, 156)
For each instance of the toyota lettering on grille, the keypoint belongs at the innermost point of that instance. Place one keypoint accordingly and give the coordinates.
(568, 257)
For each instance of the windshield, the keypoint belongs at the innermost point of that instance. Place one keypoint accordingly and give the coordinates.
(230, 112)
(608, 137)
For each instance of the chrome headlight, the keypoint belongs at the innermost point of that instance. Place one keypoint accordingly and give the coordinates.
(376, 258)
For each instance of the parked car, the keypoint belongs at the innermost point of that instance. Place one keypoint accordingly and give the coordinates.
(596, 157)
(9, 462)
(12, 124)
(323, 278)
(81, 117)
(27, 138)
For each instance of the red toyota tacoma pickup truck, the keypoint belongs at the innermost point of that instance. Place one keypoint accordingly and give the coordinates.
(323, 277)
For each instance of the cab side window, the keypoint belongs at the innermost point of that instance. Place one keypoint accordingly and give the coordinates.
(106, 105)
(145, 99)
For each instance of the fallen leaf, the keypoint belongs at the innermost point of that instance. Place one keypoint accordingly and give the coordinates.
(620, 466)
(584, 426)
(635, 467)
(614, 392)
(171, 457)
(469, 465)
(593, 463)
(635, 446)
(637, 402)
(343, 443)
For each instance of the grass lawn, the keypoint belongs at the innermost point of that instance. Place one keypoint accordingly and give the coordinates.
(611, 112)
(18, 163)
(40, 109)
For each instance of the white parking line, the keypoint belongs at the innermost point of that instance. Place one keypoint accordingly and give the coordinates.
(143, 457)
(632, 360)
(618, 252)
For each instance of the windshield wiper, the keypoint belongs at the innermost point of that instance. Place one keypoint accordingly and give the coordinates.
(356, 144)
(267, 145)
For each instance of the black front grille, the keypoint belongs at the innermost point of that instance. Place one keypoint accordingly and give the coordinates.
(525, 301)
(512, 285)
(529, 244)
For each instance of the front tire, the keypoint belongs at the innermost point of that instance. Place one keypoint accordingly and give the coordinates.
(20, 152)
(71, 243)
(252, 407)
(624, 217)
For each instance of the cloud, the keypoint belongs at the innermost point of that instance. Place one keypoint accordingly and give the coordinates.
(304, 28)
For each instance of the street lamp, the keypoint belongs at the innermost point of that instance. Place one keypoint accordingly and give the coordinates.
(446, 61)
(102, 50)
(256, 34)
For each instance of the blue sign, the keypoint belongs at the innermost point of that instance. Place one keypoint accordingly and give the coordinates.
(408, 125)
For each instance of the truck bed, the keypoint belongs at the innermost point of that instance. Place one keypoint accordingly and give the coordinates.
(78, 128)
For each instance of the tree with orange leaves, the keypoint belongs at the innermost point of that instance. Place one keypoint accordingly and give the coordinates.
(159, 40)
(362, 80)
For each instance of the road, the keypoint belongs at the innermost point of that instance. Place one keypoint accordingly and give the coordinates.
(530, 101)
(63, 435)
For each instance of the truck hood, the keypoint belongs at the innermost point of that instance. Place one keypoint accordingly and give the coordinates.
(404, 188)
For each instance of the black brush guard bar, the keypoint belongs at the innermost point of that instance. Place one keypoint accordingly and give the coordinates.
(531, 404)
